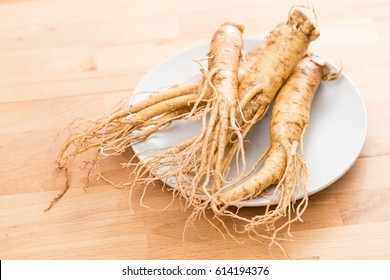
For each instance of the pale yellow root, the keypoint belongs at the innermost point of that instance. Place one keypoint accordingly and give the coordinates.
(117, 126)
(120, 123)
(284, 165)
(61, 194)
(142, 132)
(285, 46)
(127, 125)
(270, 174)
(221, 82)
(143, 118)
(225, 54)
(190, 87)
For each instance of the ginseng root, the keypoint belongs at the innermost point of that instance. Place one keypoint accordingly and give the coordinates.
(225, 54)
(198, 168)
(133, 122)
(285, 46)
(114, 132)
(194, 162)
(284, 165)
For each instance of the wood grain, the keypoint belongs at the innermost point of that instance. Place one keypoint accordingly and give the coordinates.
(65, 59)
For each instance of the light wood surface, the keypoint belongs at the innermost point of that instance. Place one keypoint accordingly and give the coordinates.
(65, 59)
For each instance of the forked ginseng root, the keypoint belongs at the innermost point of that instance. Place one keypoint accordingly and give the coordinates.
(284, 165)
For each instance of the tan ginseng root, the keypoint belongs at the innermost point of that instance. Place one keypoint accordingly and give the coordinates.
(193, 164)
(127, 125)
(285, 46)
(113, 132)
(161, 164)
(195, 161)
(284, 165)
(225, 54)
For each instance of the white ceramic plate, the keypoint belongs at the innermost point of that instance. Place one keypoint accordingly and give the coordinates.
(333, 141)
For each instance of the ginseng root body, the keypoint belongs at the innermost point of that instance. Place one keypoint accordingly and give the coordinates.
(200, 166)
(284, 165)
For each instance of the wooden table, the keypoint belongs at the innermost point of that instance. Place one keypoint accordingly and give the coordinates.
(65, 59)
